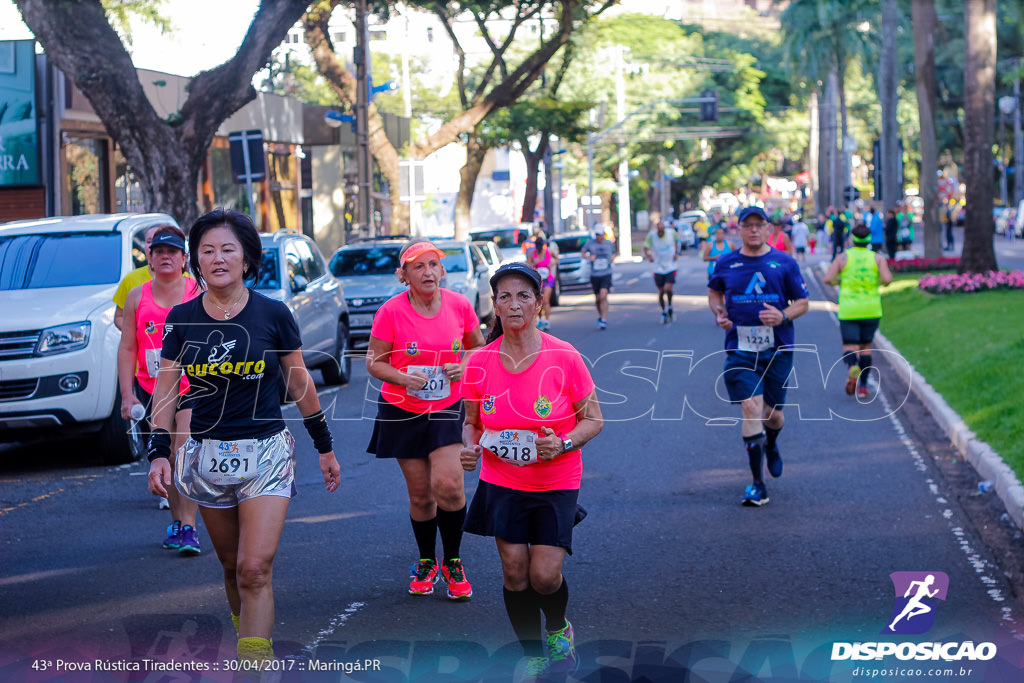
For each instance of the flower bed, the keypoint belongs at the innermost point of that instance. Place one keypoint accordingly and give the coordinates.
(972, 282)
(919, 264)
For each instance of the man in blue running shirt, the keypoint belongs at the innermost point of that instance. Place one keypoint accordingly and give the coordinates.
(755, 293)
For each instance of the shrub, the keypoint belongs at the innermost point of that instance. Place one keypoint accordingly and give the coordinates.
(972, 282)
(919, 264)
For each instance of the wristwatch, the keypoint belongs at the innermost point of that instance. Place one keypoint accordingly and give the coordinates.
(785, 318)
(566, 445)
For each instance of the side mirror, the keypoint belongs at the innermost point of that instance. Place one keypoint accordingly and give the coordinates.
(299, 283)
(481, 268)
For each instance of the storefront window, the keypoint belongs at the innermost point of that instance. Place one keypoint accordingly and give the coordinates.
(127, 191)
(284, 195)
(226, 193)
(86, 160)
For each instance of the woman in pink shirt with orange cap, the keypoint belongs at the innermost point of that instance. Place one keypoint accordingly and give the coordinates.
(531, 404)
(418, 345)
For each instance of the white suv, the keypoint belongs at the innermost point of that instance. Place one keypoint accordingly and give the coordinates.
(58, 342)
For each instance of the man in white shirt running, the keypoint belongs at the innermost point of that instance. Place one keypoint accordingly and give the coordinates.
(662, 249)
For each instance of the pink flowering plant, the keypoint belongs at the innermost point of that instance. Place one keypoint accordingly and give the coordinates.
(916, 265)
(972, 282)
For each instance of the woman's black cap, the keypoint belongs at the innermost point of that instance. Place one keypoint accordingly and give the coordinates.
(515, 268)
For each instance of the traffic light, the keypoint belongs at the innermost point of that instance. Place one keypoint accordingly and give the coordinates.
(709, 110)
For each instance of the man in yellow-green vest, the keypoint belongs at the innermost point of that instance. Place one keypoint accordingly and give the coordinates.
(858, 271)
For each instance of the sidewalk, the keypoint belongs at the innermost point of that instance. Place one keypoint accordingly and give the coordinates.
(988, 464)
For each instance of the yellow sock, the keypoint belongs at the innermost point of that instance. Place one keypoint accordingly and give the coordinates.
(234, 620)
(255, 649)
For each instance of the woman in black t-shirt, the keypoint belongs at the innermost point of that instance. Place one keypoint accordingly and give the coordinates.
(238, 463)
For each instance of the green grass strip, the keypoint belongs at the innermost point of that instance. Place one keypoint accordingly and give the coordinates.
(970, 348)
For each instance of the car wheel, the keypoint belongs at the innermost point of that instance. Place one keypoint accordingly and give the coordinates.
(339, 370)
(113, 442)
(556, 292)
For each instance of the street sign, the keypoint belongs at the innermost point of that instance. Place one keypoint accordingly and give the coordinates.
(247, 161)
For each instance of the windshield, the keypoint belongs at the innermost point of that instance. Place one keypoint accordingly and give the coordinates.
(372, 261)
(63, 259)
(571, 245)
(505, 238)
(455, 260)
(269, 272)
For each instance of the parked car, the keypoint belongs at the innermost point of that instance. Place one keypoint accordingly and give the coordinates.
(508, 239)
(685, 231)
(491, 254)
(58, 342)
(573, 270)
(294, 272)
(366, 269)
(468, 274)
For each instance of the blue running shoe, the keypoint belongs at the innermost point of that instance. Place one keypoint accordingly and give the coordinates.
(173, 540)
(188, 541)
(756, 495)
(774, 461)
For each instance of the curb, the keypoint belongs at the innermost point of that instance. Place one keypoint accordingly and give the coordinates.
(987, 463)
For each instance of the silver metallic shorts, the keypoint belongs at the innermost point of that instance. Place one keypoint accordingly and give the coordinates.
(275, 473)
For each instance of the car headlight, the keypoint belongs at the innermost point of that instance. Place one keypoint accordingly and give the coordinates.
(63, 338)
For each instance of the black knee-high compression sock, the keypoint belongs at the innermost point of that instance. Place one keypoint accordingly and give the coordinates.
(449, 524)
(426, 537)
(755, 453)
(770, 436)
(554, 607)
(865, 364)
(523, 609)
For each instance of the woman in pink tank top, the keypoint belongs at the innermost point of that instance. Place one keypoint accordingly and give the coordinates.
(779, 239)
(138, 361)
(544, 262)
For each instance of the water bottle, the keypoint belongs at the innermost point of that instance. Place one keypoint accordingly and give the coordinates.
(138, 412)
(984, 486)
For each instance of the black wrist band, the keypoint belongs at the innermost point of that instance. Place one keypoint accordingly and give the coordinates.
(316, 426)
(159, 444)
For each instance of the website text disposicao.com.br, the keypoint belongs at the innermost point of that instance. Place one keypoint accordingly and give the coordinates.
(913, 673)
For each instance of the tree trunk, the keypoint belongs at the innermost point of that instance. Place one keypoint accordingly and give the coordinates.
(845, 179)
(166, 156)
(829, 155)
(468, 174)
(888, 83)
(924, 71)
(533, 159)
(979, 104)
(814, 152)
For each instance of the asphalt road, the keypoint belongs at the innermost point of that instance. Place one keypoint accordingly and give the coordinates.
(672, 579)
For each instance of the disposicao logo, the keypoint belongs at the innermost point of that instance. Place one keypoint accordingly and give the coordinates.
(916, 597)
(916, 593)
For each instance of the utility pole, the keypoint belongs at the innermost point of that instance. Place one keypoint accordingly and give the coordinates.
(361, 57)
(1018, 146)
(625, 232)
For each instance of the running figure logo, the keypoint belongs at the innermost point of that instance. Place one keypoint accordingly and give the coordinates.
(220, 350)
(911, 614)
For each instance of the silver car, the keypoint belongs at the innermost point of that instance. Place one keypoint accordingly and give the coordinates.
(367, 271)
(468, 274)
(294, 272)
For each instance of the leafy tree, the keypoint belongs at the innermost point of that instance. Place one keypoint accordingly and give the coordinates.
(499, 85)
(166, 155)
(822, 37)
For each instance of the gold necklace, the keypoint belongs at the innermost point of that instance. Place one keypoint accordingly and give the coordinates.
(227, 311)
